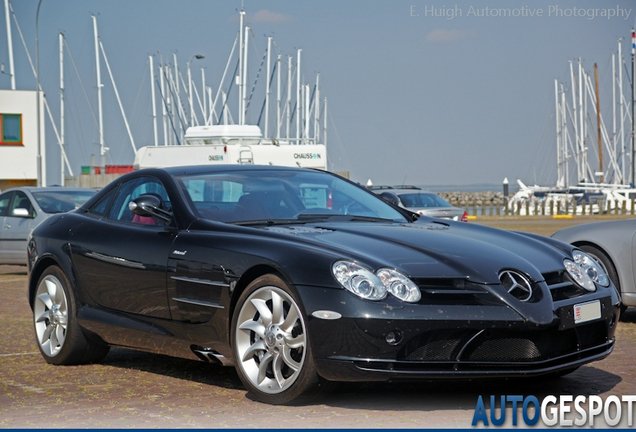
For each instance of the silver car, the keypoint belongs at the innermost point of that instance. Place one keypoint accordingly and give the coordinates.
(23, 208)
(613, 245)
(421, 202)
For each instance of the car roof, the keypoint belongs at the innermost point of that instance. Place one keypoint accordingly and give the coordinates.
(413, 192)
(49, 189)
(387, 187)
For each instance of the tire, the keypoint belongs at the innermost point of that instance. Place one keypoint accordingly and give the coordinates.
(58, 335)
(607, 264)
(271, 345)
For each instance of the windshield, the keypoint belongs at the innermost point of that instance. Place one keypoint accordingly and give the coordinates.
(264, 195)
(423, 200)
(61, 201)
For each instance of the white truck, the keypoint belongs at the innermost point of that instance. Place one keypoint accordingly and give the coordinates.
(231, 145)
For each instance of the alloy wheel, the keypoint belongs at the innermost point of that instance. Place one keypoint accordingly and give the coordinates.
(270, 340)
(50, 313)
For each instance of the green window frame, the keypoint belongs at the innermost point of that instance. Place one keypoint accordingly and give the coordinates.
(11, 129)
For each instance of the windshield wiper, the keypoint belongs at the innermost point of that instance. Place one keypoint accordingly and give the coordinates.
(344, 218)
(309, 218)
(268, 222)
(357, 218)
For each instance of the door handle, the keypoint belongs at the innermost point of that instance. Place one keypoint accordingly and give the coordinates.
(7, 227)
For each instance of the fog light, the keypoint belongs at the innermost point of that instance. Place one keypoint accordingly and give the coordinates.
(393, 338)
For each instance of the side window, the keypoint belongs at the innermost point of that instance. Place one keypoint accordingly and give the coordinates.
(100, 208)
(4, 203)
(21, 201)
(133, 189)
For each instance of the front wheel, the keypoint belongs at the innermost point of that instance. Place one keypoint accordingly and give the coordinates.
(59, 336)
(270, 343)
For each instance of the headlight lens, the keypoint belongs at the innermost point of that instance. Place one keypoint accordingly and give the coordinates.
(399, 285)
(359, 280)
(579, 276)
(591, 267)
(586, 271)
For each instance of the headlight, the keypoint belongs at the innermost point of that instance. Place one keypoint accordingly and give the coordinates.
(399, 285)
(586, 271)
(363, 283)
(591, 267)
(359, 280)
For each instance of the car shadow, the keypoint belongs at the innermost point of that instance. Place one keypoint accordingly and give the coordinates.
(191, 370)
(13, 270)
(629, 316)
(463, 394)
(381, 396)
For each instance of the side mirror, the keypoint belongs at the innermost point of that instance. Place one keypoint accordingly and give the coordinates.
(150, 205)
(21, 212)
(391, 198)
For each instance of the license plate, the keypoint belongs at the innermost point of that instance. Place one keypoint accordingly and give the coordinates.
(587, 311)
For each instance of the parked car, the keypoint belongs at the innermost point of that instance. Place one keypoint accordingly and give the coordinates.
(612, 244)
(23, 208)
(421, 202)
(300, 278)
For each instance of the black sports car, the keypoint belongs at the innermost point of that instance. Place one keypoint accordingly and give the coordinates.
(300, 278)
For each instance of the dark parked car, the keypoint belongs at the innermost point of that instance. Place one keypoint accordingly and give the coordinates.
(300, 278)
(24, 208)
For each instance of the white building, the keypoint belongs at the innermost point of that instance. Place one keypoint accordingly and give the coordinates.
(19, 138)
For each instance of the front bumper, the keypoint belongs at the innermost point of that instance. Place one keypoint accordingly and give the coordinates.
(391, 340)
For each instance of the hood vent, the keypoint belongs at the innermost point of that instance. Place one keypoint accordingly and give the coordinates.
(298, 230)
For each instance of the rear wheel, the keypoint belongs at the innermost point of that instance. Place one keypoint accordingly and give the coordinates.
(271, 346)
(607, 264)
(59, 336)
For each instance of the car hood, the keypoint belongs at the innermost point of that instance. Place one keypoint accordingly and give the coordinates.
(430, 248)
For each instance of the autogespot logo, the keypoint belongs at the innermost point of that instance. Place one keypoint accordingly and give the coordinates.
(565, 410)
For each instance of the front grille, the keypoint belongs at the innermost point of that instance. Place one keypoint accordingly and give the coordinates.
(507, 346)
(452, 291)
(506, 350)
(435, 345)
(436, 350)
(562, 287)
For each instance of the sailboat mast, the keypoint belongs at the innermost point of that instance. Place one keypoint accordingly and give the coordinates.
(102, 149)
(633, 111)
(598, 125)
(245, 52)
(164, 110)
(317, 111)
(154, 102)
(267, 90)
(298, 97)
(558, 135)
(622, 111)
(288, 102)
(278, 95)
(204, 93)
(575, 122)
(614, 103)
(9, 44)
(239, 79)
(565, 139)
(61, 40)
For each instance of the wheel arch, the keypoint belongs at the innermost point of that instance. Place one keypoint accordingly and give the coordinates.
(39, 268)
(249, 276)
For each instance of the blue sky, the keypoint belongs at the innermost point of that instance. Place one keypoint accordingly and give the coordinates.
(412, 97)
